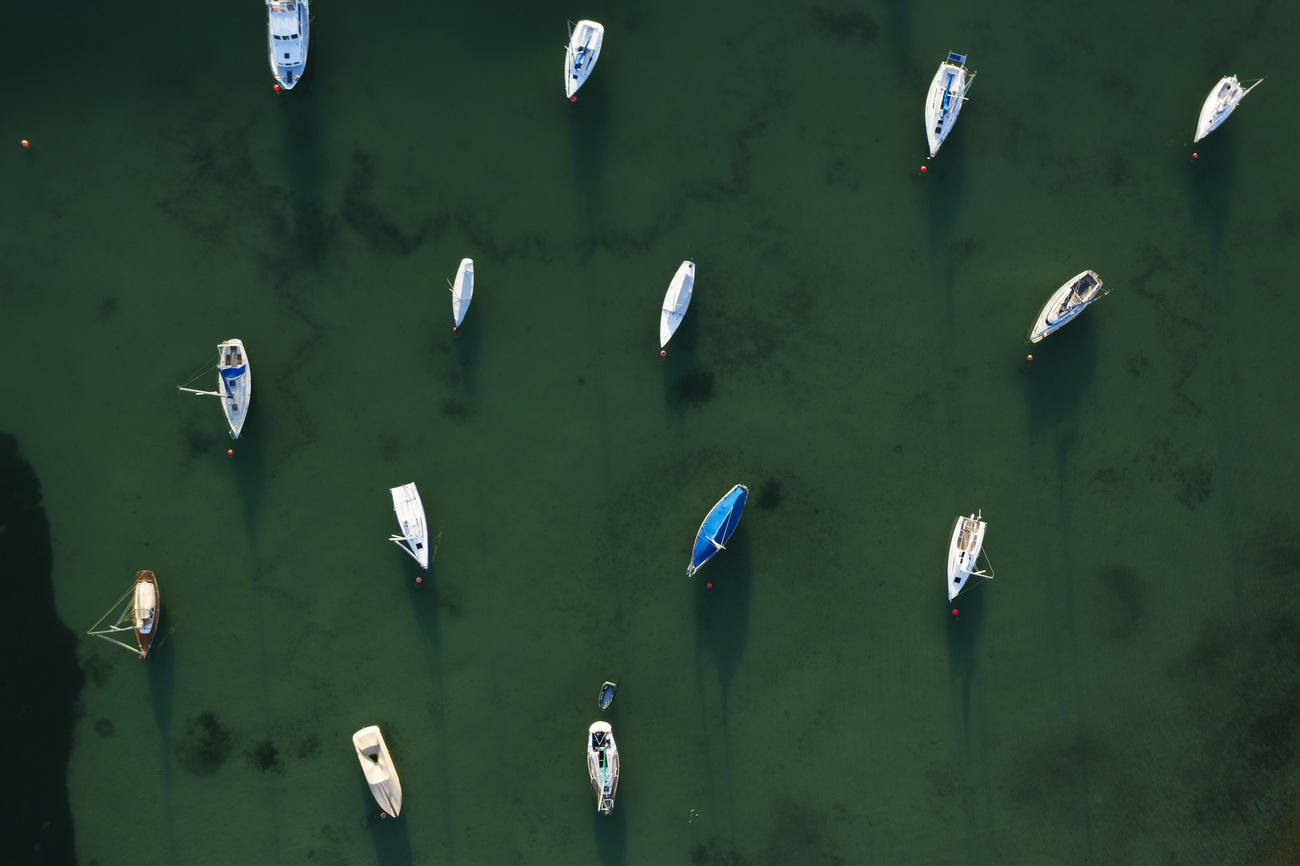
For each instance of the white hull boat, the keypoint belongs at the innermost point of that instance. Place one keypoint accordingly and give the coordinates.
(377, 764)
(602, 765)
(580, 57)
(462, 291)
(676, 300)
(287, 29)
(410, 517)
(234, 384)
(137, 612)
(1067, 302)
(944, 101)
(964, 553)
(1221, 102)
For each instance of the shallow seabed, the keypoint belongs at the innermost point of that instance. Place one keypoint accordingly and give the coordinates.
(1127, 689)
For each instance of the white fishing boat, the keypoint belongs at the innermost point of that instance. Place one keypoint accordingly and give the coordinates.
(580, 56)
(137, 611)
(676, 300)
(410, 517)
(377, 764)
(288, 23)
(462, 291)
(964, 554)
(1067, 302)
(234, 384)
(602, 765)
(1221, 102)
(943, 103)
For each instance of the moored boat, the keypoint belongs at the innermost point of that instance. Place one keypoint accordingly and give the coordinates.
(718, 525)
(1067, 302)
(602, 765)
(944, 100)
(607, 690)
(288, 25)
(462, 291)
(138, 612)
(234, 384)
(676, 300)
(1222, 101)
(410, 517)
(378, 767)
(964, 552)
(585, 40)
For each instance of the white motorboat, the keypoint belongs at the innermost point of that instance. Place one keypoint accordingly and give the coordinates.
(1225, 97)
(234, 384)
(964, 553)
(676, 300)
(602, 765)
(943, 103)
(138, 612)
(377, 764)
(462, 291)
(288, 23)
(410, 517)
(580, 57)
(1067, 302)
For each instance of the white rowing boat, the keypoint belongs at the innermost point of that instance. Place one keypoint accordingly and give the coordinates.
(1221, 102)
(585, 40)
(410, 517)
(377, 764)
(676, 300)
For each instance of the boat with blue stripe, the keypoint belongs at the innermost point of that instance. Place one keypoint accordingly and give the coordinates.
(585, 40)
(234, 384)
(717, 527)
(943, 103)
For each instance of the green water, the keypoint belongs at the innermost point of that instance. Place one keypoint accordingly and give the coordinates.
(1126, 691)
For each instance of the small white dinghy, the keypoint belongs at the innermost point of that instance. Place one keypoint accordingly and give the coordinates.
(580, 57)
(964, 553)
(462, 291)
(943, 103)
(602, 765)
(287, 26)
(1067, 302)
(234, 384)
(676, 300)
(410, 517)
(377, 764)
(1225, 97)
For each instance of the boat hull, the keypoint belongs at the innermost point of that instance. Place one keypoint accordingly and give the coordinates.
(581, 55)
(1223, 100)
(717, 528)
(602, 765)
(462, 291)
(377, 766)
(963, 553)
(288, 33)
(410, 519)
(234, 384)
(146, 610)
(676, 300)
(944, 100)
(1054, 315)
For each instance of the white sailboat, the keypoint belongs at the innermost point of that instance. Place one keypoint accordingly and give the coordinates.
(943, 102)
(1221, 102)
(676, 300)
(964, 553)
(137, 611)
(410, 517)
(602, 765)
(288, 23)
(234, 384)
(462, 291)
(581, 54)
(377, 764)
(1067, 302)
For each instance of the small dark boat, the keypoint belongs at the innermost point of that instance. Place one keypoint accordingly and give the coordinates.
(607, 694)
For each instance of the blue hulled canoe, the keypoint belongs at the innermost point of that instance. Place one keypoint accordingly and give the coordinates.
(717, 527)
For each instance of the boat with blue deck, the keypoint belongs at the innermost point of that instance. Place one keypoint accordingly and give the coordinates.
(234, 384)
(717, 527)
(943, 103)
(606, 698)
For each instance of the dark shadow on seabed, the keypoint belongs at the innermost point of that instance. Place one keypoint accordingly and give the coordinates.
(611, 836)
(162, 687)
(302, 132)
(389, 835)
(590, 120)
(1063, 367)
(1210, 183)
(942, 184)
(685, 384)
(722, 613)
(963, 632)
(42, 679)
(249, 465)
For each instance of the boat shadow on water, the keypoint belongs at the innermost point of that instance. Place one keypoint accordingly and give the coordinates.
(249, 466)
(162, 673)
(685, 383)
(302, 132)
(963, 636)
(590, 139)
(389, 835)
(461, 365)
(1062, 370)
(943, 183)
(722, 613)
(611, 837)
(1210, 181)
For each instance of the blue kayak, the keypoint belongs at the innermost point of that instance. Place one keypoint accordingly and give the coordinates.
(717, 527)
